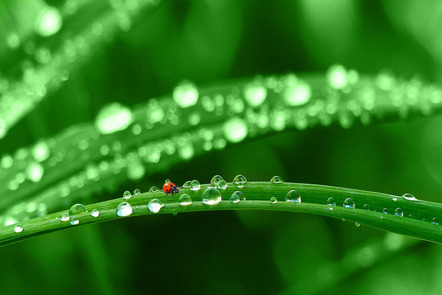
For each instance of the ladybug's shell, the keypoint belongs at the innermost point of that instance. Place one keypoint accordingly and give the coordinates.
(167, 187)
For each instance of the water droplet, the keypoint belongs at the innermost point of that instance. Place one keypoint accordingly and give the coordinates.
(337, 77)
(186, 184)
(155, 205)
(367, 207)
(167, 181)
(64, 216)
(381, 216)
(273, 200)
(95, 213)
(137, 192)
(222, 185)
(357, 224)
(174, 212)
(185, 200)
(211, 196)
(236, 197)
(409, 197)
(330, 208)
(255, 94)
(154, 189)
(331, 201)
(64, 75)
(127, 195)
(195, 185)
(6, 161)
(240, 181)
(185, 94)
(77, 209)
(113, 117)
(48, 22)
(293, 196)
(348, 203)
(18, 228)
(385, 210)
(398, 212)
(124, 209)
(34, 172)
(410, 215)
(297, 93)
(235, 129)
(41, 151)
(216, 179)
(74, 221)
(276, 179)
(435, 221)
(394, 199)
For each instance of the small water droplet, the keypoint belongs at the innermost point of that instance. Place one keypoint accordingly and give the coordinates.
(357, 224)
(127, 195)
(18, 228)
(398, 212)
(185, 94)
(155, 205)
(394, 199)
(273, 200)
(186, 184)
(167, 181)
(240, 181)
(276, 179)
(216, 179)
(95, 213)
(195, 185)
(113, 117)
(124, 209)
(222, 185)
(236, 197)
(381, 216)
(435, 221)
(409, 197)
(331, 201)
(385, 210)
(293, 196)
(34, 171)
(349, 203)
(154, 189)
(137, 192)
(255, 94)
(64, 216)
(74, 221)
(410, 215)
(174, 212)
(330, 208)
(211, 196)
(367, 207)
(185, 200)
(77, 209)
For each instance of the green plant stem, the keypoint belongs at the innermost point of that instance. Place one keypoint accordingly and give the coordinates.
(314, 198)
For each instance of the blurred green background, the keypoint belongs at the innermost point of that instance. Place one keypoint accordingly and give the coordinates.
(154, 48)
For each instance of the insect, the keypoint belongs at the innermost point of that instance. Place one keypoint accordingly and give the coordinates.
(170, 188)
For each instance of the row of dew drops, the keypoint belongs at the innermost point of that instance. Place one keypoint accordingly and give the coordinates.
(212, 196)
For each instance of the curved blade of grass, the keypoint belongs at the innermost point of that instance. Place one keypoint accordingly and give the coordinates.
(82, 162)
(258, 194)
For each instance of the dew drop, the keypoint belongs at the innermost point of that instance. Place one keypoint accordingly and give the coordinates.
(185, 94)
(293, 196)
(77, 209)
(273, 200)
(276, 179)
(297, 94)
(385, 210)
(155, 205)
(113, 117)
(137, 192)
(34, 172)
(18, 228)
(222, 185)
(398, 212)
(216, 179)
(366, 207)
(236, 197)
(64, 217)
(240, 181)
(211, 196)
(95, 213)
(127, 195)
(235, 129)
(409, 197)
(167, 181)
(381, 216)
(195, 185)
(337, 77)
(174, 212)
(185, 200)
(435, 221)
(349, 203)
(41, 151)
(124, 209)
(394, 199)
(154, 189)
(74, 221)
(357, 224)
(186, 184)
(331, 201)
(48, 22)
(255, 94)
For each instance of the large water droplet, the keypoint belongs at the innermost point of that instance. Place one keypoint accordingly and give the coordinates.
(34, 171)
(240, 181)
(331, 201)
(127, 195)
(348, 203)
(185, 94)
(276, 179)
(255, 94)
(48, 22)
(124, 209)
(236, 197)
(95, 213)
(293, 196)
(273, 200)
(211, 196)
(77, 209)
(185, 200)
(154, 189)
(155, 205)
(18, 228)
(398, 212)
(195, 185)
(216, 179)
(409, 197)
(113, 117)
(235, 129)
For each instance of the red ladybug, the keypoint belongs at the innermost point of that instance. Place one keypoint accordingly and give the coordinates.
(170, 188)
